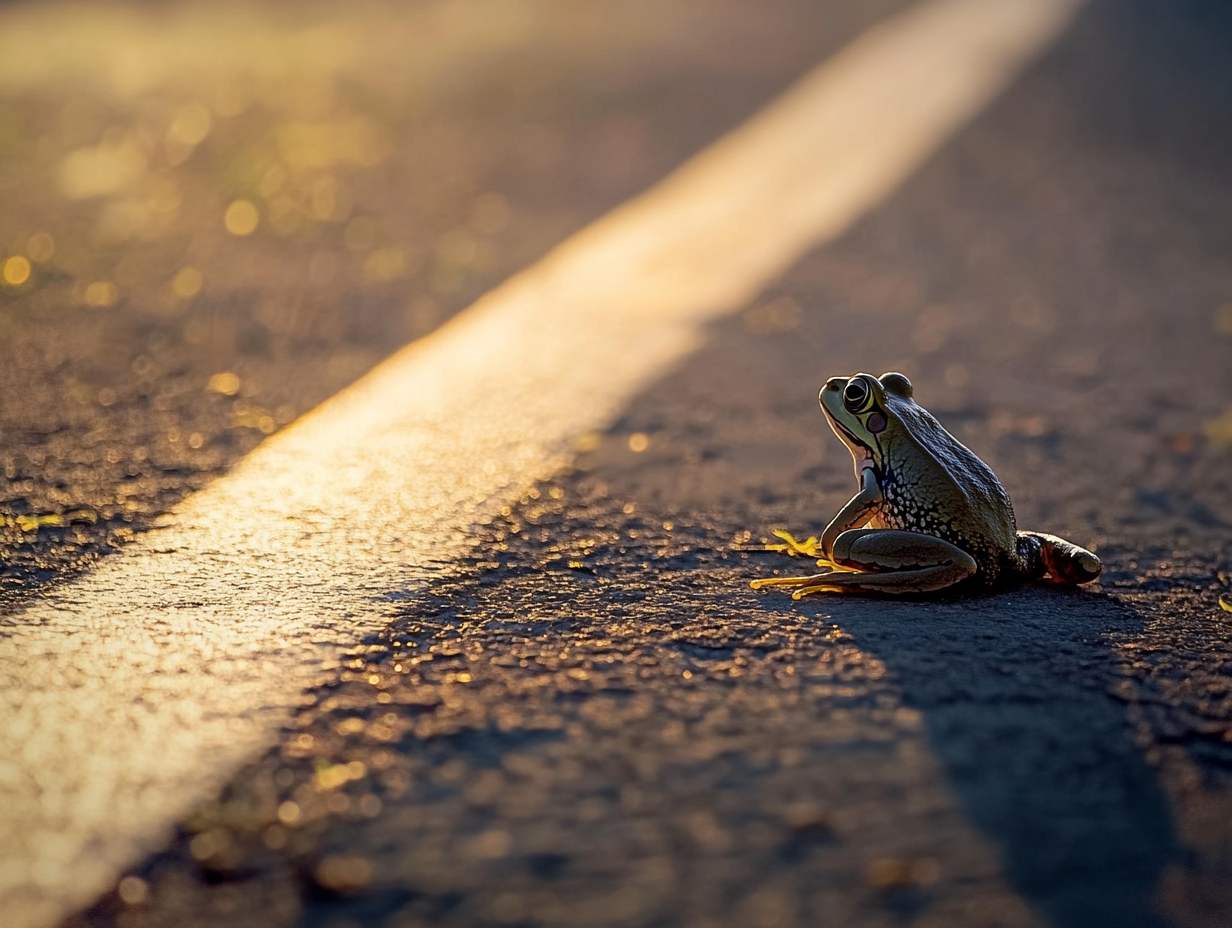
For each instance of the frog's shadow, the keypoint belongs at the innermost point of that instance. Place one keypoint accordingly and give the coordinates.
(1013, 690)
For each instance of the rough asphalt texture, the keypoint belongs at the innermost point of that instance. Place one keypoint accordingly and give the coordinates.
(595, 722)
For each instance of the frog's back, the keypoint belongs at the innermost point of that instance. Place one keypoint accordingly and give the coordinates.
(935, 485)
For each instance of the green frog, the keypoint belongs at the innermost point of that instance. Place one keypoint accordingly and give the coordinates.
(929, 515)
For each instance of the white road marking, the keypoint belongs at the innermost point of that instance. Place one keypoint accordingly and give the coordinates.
(132, 693)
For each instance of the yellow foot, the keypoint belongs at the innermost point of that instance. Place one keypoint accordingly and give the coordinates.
(791, 546)
(786, 581)
(811, 547)
(816, 583)
(805, 586)
(817, 588)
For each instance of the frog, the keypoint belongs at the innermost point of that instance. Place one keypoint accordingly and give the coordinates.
(929, 515)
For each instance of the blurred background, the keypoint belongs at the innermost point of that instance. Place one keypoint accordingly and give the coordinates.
(216, 215)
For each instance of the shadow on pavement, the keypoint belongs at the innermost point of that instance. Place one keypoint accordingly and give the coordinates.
(1013, 691)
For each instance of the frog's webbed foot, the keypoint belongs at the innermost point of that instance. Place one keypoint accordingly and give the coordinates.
(807, 548)
(884, 561)
(810, 547)
(799, 582)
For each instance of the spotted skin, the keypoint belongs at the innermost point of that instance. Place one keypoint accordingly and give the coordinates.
(912, 489)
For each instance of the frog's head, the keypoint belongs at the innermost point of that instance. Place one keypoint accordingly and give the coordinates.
(862, 411)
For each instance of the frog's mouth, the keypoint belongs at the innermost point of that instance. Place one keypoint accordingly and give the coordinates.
(865, 457)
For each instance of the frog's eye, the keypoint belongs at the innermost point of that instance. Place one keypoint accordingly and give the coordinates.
(855, 394)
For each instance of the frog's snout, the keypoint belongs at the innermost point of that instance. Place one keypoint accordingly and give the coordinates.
(834, 384)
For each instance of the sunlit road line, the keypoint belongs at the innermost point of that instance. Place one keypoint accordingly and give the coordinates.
(133, 692)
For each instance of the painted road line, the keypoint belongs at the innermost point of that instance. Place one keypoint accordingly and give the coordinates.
(135, 691)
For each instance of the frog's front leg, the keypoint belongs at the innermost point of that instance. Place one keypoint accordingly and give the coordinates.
(885, 561)
(859, 509)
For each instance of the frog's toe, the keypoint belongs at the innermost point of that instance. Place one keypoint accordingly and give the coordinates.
(815, 588)
(791, 581)
(807, 548)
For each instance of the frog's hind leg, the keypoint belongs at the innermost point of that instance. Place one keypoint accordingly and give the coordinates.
(1063, 560)
(885, 561)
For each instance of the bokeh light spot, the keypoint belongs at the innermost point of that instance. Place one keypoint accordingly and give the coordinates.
(17, 270)
(224, 382)
(344, 874)
(133, 890)
(289, 813)
(101, 294)
(187, 282)
(242, 217)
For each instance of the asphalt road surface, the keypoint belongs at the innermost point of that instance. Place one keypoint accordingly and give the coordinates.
(590, 719)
